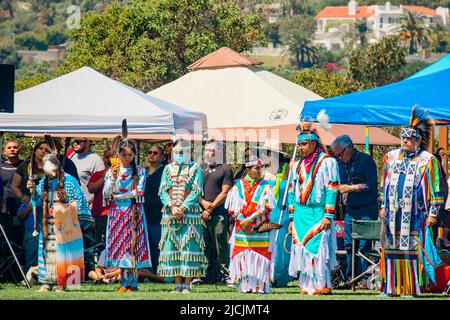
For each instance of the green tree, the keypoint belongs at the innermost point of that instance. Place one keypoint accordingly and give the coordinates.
(271, 31)
(55, 36)
(31, 41)
(378, 64)
(413, 31)
(8, 54)
(361, 28)
(439, 37)
(29, 70)
(25, 83)
(149, 43)
(302, 51)
(322, 82)
(298, 23)
(296, 33)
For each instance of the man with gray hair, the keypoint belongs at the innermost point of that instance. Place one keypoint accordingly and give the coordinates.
(218, 181)
(359, 191)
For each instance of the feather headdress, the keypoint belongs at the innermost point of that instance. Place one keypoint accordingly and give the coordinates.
(420, 126)
(307, 132)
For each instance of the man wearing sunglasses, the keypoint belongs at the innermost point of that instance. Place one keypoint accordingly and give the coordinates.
(359, 192)
(87, 162)
(312, 201)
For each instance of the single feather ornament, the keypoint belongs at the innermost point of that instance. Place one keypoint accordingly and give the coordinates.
(51, 144)
(324, 120)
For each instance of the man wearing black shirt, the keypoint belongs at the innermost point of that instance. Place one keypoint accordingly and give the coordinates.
(218, 181)
(152, 203)
(14, 230)
(11, 151)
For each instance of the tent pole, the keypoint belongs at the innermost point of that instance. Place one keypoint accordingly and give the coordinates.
(443, 142)
(367, 140)
(138, 143)
(283, 205)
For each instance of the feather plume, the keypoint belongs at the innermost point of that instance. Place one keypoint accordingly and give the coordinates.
(304, 126)
(421, 120)
(51, 144)
(124, 129)
(324, 120)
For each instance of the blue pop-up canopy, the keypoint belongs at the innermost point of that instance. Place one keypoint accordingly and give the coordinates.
(389, 105)
(441, 64)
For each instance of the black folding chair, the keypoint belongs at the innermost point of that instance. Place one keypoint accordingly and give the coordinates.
(92, 248)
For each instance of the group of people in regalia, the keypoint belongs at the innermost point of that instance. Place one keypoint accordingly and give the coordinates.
(410, 199)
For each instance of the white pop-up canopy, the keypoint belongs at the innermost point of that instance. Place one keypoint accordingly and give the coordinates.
(87, 102)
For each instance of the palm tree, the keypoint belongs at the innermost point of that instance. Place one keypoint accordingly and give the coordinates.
(361, 28)
(301, 49)
(412, 30)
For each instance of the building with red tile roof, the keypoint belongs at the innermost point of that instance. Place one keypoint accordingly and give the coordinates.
(334, 21)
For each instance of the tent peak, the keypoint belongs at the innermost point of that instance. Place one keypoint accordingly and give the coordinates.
(222, 58)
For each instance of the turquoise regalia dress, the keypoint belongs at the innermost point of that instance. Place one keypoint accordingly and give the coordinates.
(182, 245)
(411, 190)
(312, 196)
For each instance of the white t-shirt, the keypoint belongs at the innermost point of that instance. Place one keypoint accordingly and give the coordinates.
(87, 164)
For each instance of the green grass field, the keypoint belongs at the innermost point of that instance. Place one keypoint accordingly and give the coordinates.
(156, 291)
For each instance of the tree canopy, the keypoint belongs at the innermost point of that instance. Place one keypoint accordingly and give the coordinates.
(149, 43)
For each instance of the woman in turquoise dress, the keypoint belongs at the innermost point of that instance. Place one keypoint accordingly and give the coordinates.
(182, 245)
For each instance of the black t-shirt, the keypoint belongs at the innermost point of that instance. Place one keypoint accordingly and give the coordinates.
(22, 170)
(215, 177)
(7, 174)
(152, 203)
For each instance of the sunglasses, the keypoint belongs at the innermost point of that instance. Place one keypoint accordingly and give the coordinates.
(79, 141)
(153, 153)
(303, 143)
(340, 154)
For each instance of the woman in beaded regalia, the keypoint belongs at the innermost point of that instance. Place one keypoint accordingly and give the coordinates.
(182, 245)
(127, 245)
